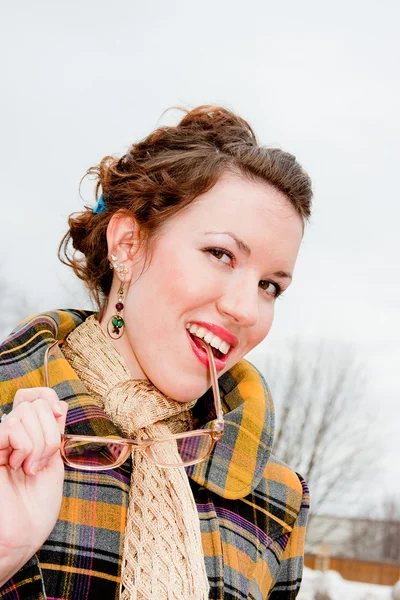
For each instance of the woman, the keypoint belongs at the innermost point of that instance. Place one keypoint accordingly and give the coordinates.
(201, 228)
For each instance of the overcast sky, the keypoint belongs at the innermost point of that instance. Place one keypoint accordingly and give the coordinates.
(82, 79)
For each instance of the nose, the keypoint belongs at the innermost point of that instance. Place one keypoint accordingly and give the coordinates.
(240, 303)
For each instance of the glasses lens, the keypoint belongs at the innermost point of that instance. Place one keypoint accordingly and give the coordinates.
(182, 451)
(92, 455)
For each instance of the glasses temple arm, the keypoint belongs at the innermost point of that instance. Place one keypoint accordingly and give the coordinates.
(47, 354)
(214, 380)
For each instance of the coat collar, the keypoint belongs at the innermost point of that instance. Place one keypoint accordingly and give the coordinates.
(240, 457)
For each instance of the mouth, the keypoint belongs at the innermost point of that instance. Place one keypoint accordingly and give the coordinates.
(220, 349)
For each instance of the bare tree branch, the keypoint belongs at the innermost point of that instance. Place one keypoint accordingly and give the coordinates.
(318, 390)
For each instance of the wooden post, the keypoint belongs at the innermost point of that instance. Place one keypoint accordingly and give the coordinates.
(322, 559)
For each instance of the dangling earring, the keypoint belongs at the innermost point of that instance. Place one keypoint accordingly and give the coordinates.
(116, 324)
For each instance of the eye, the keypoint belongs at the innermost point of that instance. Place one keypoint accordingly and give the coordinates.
(270, 288)
(221, 254)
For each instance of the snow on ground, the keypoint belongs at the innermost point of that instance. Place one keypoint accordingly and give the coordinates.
(331, 586)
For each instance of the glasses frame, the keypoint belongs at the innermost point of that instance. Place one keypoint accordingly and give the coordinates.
(215, 432)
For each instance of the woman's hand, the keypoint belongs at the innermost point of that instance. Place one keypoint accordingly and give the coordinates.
(31, 475)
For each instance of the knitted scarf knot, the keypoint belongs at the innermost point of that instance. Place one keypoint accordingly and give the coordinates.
(162, 555)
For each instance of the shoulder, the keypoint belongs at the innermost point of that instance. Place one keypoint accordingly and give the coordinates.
(284, 494)
(55, 324)
(22, 352)
(279, 472)
(283, 491)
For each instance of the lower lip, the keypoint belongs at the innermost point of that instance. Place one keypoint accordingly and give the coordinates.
(220, 363)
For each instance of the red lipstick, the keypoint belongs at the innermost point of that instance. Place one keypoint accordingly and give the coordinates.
(221, 332)
(220, 363)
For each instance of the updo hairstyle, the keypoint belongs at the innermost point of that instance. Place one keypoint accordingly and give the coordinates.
(160, 175)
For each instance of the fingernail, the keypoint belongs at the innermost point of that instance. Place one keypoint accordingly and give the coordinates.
(34, 468)
(57, 410)
(18, 466)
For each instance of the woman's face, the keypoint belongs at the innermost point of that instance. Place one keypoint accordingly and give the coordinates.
(214, 271)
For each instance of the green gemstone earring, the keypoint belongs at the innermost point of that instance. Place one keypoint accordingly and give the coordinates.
(116, 324)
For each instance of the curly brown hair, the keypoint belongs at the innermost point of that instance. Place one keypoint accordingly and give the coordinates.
(160, 175)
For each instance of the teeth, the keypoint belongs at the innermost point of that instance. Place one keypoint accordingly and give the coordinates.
(215, 342)
(210, 338)
(224, 347)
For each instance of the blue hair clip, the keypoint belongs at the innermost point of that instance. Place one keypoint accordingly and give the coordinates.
(100, 206)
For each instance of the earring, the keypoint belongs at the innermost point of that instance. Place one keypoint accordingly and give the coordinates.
(116, 324)
(119, 267)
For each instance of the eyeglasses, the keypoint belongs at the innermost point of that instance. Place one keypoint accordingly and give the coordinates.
(93, 453)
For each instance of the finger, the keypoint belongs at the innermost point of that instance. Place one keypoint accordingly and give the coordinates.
(63, 417)
(51, 436)
(5, 455)
(15, 441)
(61, 425)
(33, 427)
(32, 394)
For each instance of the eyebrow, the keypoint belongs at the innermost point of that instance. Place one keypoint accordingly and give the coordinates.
(239, 243)
(282, 275)
(243, 247)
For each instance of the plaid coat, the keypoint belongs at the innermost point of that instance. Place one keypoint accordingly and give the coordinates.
(252, 507)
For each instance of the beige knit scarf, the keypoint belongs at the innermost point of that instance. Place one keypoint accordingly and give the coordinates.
(162, 554)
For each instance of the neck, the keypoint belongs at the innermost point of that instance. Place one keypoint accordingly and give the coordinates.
(122, 345)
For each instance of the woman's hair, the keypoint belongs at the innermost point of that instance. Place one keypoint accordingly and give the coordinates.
(165, 172)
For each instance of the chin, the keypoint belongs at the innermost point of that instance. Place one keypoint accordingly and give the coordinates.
(183, 392)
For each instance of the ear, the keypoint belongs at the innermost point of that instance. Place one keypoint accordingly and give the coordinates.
(123, 241)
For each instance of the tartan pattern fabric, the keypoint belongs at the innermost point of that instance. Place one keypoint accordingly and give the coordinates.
(252, 507)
